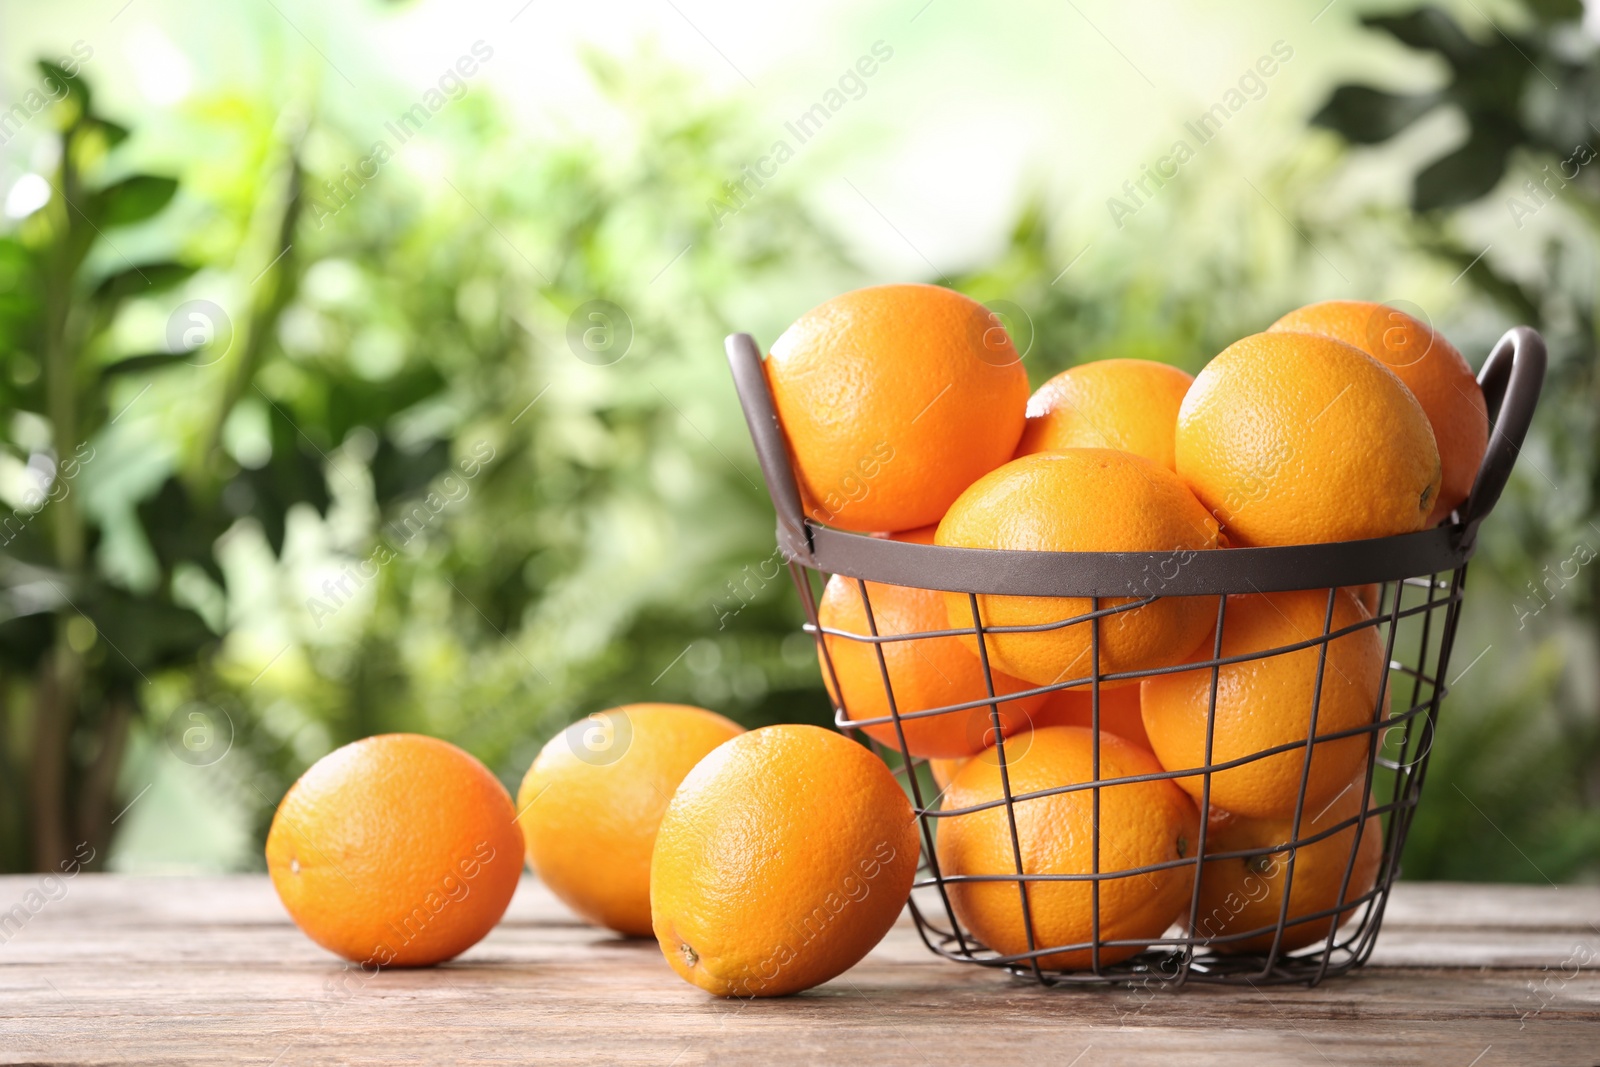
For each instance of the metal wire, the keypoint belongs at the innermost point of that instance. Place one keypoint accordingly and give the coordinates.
(1414, 647)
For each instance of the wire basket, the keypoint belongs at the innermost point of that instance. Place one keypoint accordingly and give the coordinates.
(1421, 578)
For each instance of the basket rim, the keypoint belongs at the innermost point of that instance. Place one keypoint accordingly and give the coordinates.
(1511, 379)
(1184, 572)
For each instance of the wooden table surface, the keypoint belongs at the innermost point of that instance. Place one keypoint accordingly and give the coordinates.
(210, 970)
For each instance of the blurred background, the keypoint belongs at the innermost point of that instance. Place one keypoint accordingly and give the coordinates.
(362, 363)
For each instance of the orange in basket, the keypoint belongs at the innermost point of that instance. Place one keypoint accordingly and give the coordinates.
(1244, 893)
(1266, 702)
(928, 673)
(1081, 500)
(893, 398)
(1293, 438)
(1430, 366)
(1119, 712)
(1141, 823)
(1127, 404)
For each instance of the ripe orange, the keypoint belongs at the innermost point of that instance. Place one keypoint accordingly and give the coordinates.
(1119, 712)
(1263, 703)
(1432, 369)
(785, 855)
(893, 399)
(944, 771)
(927, 673)
(590, 804)
(1141, 823)
(397, 850)
(1245, 893)
(1082, 500)
(1127, 404)
(922, 535)
(1370, 595)
(1291, 438)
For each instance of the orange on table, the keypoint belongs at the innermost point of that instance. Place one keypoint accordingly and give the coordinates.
(1243, 893)
(783, 858)
(893, 399)
(395, 850)
(1119, 712)
(1430, 366)
(1295, 438)
(1141, 823)
(590, 804)
(927, 673)
(1266, 702)
(1127, 404)
(1081, 500)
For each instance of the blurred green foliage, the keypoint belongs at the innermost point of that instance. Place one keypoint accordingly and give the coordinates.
(461, 454)
(1516, 767)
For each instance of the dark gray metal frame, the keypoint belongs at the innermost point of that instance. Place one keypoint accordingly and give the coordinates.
(1423, 575)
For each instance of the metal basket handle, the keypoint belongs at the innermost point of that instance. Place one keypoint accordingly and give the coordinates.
(1511, 379)
(750, 380)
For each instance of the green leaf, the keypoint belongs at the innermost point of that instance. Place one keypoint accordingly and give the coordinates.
(1429, 29)
(1469, 172)
(142, 280)
(57, 81)
(1553, 11)
(133, 199)
(179, 531)
(146, 362)
(114, 133)
(145, 633)
(397, 475)
(295, 474)
(1364, 115)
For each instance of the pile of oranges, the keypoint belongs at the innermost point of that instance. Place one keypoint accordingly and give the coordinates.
(765, 862)
(902, 407)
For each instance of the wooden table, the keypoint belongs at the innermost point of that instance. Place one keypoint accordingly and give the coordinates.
(209, 970)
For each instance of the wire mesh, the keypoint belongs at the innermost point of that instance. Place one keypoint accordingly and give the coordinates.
(1415, 622)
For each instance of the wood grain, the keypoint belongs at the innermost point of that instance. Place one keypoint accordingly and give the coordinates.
(206, 971)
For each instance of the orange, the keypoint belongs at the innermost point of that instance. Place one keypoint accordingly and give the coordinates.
(927, 673)
(1082, 500)
(1291, 438)
(1141, 823)
(1244, 893)
(590, 804)
(922, 535)
(893, 399)
(1370, 595)
(1127, 404)
(1263, 703)
(944, 771)
(785, 855)
(1432, 369)
(397, 850)
(1119, 712)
